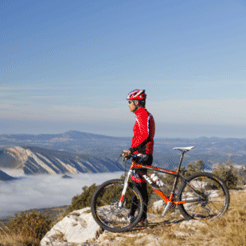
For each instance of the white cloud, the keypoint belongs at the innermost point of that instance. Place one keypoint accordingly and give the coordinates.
(44, 191)
(61, 113)
(218, 112)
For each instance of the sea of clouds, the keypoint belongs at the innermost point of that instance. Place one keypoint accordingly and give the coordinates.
(44, 191)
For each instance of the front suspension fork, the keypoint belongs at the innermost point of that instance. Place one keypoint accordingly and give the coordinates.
(124, 189)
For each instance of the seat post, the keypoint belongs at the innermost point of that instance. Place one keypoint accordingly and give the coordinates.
(181, 159)
(183, 150)
(176, 178)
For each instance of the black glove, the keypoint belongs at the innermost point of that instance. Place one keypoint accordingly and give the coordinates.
(126, 155)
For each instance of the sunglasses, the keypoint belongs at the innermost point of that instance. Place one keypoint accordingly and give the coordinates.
(129, 102)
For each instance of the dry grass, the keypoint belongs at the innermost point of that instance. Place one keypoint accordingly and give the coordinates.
(25, 229)
(228, 230)
(87, 211)
(75, 214)
(12, 239)
(59, 236)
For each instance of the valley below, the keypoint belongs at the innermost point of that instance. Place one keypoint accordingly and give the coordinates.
(44, 171)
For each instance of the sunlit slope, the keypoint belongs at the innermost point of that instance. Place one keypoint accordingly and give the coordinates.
(34, 160)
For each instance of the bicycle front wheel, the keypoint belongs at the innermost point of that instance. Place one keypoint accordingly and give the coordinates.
(105, 206)
(206, 196)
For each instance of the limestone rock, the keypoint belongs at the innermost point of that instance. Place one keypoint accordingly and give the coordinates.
(77, 227)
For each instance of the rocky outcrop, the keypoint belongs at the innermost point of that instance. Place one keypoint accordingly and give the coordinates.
(77, 227)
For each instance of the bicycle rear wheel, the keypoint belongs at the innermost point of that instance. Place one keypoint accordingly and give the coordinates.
(105, 206)
(206, 196)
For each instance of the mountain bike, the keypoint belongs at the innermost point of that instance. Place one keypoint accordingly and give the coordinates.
(203, 195)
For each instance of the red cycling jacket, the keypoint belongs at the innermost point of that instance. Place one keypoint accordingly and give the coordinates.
(144, 131)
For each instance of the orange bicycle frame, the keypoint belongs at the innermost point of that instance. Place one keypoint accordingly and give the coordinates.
(135, 166)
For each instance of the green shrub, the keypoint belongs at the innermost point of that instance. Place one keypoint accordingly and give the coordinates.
(241, 174)
(194, 167)
(84, 199)
(227, 172)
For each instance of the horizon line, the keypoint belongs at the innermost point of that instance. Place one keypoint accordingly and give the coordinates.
(90, 133)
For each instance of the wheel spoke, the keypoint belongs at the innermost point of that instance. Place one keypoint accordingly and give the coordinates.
(206, 196)
(106, 211)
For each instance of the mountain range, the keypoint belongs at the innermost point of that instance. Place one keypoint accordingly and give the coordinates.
(35, 160)
(75, 152)
(86, 143)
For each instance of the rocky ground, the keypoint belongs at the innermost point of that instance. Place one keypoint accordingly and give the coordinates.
(71, 232)
(80, 229)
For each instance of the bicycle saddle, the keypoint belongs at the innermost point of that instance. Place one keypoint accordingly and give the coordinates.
(184, 149)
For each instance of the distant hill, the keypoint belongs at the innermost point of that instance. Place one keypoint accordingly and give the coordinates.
(5, 177)
(71, 141)
(88, 143)
(210, 150)
(35, 160)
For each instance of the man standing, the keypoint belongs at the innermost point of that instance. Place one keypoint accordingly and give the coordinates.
(142, 143)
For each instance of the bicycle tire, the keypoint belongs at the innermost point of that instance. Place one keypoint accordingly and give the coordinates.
(206, 196)
(105, 210)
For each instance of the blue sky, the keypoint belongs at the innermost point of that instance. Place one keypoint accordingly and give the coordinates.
(68, 65)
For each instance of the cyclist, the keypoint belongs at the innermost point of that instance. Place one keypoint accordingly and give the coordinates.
(142, 145)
